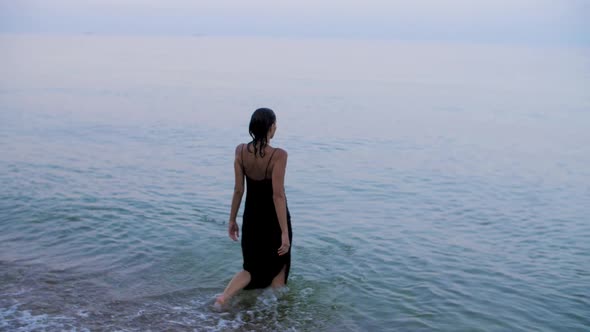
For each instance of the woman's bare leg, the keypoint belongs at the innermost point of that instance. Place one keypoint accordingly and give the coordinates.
(279, 280)
(239, 281)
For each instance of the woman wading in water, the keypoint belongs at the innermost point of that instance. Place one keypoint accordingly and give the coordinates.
(266, 226)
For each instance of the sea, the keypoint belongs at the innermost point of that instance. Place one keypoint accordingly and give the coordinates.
(433, 186)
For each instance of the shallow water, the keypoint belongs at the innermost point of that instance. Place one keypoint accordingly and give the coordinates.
(432, 186)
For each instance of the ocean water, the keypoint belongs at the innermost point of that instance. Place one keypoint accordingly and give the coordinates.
(433, 187)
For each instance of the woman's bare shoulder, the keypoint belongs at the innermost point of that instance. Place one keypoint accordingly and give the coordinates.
(240, 147)
(281, 153)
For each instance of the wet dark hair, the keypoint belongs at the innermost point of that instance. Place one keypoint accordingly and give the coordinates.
(260, 124)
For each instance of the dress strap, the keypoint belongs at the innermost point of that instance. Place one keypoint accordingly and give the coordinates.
(272, 154)
(242, 157)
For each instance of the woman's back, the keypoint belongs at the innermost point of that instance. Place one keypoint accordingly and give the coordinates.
(259, 186)
(255, 166)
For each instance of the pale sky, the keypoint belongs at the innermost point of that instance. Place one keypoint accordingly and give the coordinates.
(504, 21)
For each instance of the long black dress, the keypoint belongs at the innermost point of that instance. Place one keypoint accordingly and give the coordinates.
(261, 232)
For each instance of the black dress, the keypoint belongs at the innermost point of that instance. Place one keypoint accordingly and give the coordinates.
(261, 232)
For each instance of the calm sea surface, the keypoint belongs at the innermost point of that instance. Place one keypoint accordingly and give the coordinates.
(432, 186)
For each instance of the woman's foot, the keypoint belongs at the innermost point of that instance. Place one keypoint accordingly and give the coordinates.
(220, 302)
(239, 281)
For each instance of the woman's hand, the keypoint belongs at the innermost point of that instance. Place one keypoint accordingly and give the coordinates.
(285, 244)
(233, 230)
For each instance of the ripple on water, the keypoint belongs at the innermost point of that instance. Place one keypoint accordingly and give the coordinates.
(53, 301)
(112, 226)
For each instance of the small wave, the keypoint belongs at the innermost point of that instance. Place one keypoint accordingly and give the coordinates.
(15, 319)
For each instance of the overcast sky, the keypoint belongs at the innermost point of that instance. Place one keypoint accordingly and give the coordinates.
(510, 21)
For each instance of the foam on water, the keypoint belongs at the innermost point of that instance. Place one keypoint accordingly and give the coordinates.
(287, 309)
(14, 319)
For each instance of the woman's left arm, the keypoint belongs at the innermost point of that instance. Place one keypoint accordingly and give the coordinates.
(234, 230)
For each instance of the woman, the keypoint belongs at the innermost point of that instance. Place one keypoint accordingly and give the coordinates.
(266, 226)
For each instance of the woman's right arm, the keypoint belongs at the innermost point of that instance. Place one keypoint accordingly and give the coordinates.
(278, 196)
(234, 230)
